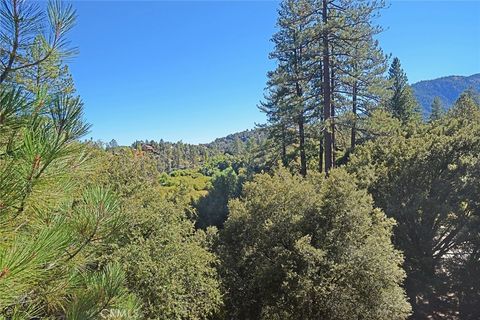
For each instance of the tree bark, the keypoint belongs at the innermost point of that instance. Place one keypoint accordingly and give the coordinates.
(327, 106)
(332, 113)
(303, 157)
(353, 138)
(320, 154)
(320, 140)
(284, 146)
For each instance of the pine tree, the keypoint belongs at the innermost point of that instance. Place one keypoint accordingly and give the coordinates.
(281, 131)
(362, 78)
(290, 79)
(24, 25)
(329, 127)
(52, 225)
(402, 104)
(51, 74)
(437, 109)
(344, 29)
(325, 50)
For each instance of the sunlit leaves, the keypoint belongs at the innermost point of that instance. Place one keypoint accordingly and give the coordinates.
(313, 247)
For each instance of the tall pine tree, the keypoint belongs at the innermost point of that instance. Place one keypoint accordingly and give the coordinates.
(437, 109)
(402, 104)
(291, 78)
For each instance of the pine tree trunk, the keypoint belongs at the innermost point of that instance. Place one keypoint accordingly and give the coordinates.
(320, 154)
(353, 138)
(320, 140)
(332, 114)
(284, 146)
(327, 107)
(303, 158)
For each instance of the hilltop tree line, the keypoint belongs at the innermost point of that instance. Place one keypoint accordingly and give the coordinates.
(351, 207)
(171, 156)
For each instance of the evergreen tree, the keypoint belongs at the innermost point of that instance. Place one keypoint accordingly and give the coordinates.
(362, 78)
(296, 248)
(402, 104)
(345, 29)
(50, 75)
(289, 82)
(426, 179)
(437, 109)
(30, 36)
(325, 52)
(52, 225)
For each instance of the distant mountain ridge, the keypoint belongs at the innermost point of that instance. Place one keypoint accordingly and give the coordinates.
(447, 88)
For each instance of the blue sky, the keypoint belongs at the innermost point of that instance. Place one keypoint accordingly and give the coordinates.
(195, 71)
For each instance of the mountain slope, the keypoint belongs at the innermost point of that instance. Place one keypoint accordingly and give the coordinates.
(447, 88)
(231, 143)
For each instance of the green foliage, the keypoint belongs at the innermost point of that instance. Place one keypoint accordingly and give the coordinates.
(52, 225)
(86, 254)
(213, 207)
(176, 156)
(51, 234)
(188, 176)
(166, 262)
(402, 104)
(237, 143)
(309, 249)
(98, 231)
(437, 109)
(219, 163)
(101, 291)
(239, 149)
(427, 179)
(51, 75)
(329, 76)
(31, 36)
(23, 257)
(128, 172)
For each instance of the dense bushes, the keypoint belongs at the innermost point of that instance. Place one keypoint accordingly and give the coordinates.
(309, 249)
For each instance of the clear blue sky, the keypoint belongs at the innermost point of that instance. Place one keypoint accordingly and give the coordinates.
(194, 71)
